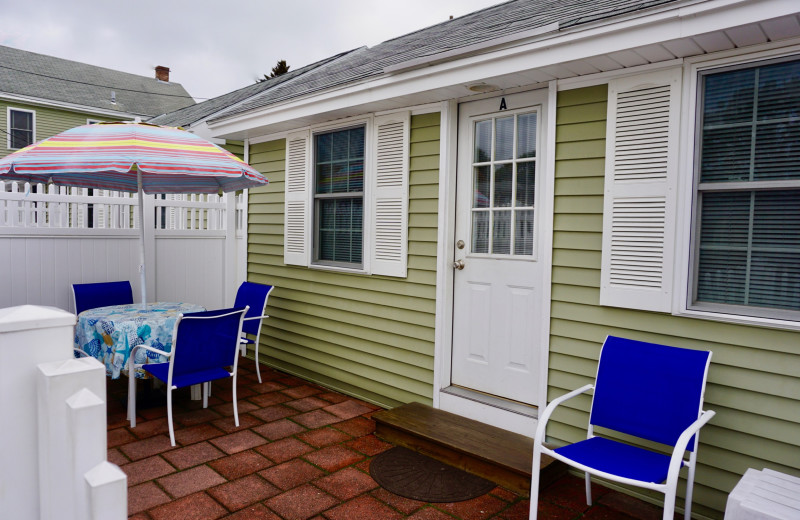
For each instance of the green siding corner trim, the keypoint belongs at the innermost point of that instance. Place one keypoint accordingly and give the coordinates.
(754, 380)
(368, 336)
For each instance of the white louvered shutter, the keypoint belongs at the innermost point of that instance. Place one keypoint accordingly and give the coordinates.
(389, 248)
(640, 191)
(298, 205)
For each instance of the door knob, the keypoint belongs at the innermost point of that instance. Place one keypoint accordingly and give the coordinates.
(458, 264)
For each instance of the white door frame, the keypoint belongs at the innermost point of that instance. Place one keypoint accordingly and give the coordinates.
(444, 273)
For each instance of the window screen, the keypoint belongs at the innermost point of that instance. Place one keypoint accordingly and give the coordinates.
(748, 244)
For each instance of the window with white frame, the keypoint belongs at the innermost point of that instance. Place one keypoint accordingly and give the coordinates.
(339, 197)
(346, 196)
(21, 128)
(746, 244)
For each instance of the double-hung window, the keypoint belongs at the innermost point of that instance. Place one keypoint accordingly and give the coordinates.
(747, 200)
(346, 198)
(21, 128)
(339, 197)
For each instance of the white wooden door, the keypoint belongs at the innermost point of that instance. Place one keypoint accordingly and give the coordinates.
(498, 280)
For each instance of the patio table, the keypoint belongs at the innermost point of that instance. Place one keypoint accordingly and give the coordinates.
(110, 333)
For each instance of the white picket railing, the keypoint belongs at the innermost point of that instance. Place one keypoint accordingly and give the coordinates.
(59, 235)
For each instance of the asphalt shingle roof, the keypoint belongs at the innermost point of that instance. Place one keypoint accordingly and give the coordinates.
(194, 113)
(46, 77)
(481, 26)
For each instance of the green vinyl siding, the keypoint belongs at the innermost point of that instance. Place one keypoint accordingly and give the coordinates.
(369, 336)
(49, 121)
(754, 380)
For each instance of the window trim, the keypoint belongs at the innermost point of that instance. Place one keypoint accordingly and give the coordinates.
(688, 223)
(315, 197)
(8, 125)
(369, 174)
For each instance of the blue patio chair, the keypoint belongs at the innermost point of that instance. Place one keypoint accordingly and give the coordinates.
(205, 347)
(254, 295)
(649, 391)
(92, 295)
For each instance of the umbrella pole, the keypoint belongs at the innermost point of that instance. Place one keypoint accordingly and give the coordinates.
(141, 238)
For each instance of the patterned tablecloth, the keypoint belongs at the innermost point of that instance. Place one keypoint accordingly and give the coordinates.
(109, 333)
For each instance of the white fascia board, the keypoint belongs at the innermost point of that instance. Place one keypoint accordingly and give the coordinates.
(67, 106)
(680, 21)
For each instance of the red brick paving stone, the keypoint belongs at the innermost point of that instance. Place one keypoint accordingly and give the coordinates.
(226, 409)
(273, 413)
(333, 458)
(146, 469)
(152, 413)
(333, 397)
(254, 512)
(115, 456)
(241, 464)
(266, 387)
(228, 425)
(298, 392)
(346, 484)
(145, 429)
(119, 436)
(139, 516)
(199, 506)
(195, 417)
(549, 510)
(290, 381)
(278, 429)
(357, 427)
(323, 437)
(284, 449)
(307, 404)
(364, 465)
(632, 507)
(193, 455)
(570, 492)
(243, 492)
(144, 496)
(302, 503)
(291, 474)
(264, 400)
(146, 448)
(190, 481)
(117, 420)
(362, 508)
(521, 511)
(430, 513)
(239, 441)
(226, 395)
(348, 409)
(201, 432)
(316, 419)
(476, 509)
(402, 504)
(369, 445)
(604, 513)
(504, 494)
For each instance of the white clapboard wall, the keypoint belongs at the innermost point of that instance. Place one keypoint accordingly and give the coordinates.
(52, 237)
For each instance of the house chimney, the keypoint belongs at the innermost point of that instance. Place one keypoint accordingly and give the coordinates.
(162, 73)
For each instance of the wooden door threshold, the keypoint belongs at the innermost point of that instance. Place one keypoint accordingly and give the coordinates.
(484, 450)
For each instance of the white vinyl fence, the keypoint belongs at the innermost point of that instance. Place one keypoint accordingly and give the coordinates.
(52, 237)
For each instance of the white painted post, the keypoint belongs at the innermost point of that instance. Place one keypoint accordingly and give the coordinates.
(29, 335)
(229, 257)
(150, 246)
(108, 488)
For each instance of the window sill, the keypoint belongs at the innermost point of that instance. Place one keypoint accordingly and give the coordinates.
(752, 321)
(339, 269)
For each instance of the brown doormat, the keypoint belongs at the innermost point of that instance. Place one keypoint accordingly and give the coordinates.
(411, 475)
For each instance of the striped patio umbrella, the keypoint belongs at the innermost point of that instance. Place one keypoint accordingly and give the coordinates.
(133, 157)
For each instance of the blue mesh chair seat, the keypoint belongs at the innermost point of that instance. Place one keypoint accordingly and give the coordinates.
(205, 347)
(255, 296)
(647, 391)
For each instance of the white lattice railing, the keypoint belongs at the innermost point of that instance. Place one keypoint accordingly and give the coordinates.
(23, 205)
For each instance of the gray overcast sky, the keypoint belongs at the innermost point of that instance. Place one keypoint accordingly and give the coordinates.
(213, 47)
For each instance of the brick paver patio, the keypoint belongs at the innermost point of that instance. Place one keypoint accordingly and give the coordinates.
(301, 451)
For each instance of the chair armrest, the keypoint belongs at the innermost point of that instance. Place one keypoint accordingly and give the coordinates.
(683, 441)
(542, 423)
(151, 349)
(256, 317)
